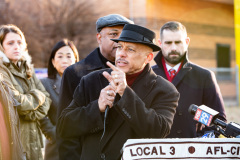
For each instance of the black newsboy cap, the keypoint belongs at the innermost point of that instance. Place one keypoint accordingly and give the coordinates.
(138, 34)
(111, 20)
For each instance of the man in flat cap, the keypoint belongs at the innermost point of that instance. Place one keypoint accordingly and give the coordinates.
(126, 101)
(107, 27)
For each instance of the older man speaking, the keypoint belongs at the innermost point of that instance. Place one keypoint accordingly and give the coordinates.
(140, 104)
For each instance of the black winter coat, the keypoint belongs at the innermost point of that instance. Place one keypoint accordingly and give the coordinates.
(144, 111)
(196, 85)
(73, 74)
(69, 148)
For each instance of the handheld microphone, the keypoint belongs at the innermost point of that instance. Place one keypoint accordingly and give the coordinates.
(203, 114)
(207, 116)
(106, 111)
(104, 121)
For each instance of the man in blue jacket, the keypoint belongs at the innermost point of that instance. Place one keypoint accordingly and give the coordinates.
(195, 84)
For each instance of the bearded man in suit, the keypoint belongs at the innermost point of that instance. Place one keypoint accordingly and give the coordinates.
(196, 85)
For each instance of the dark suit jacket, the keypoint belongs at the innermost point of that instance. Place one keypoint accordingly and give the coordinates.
(196, 85)
(144, 111)
(48, 124)
(73, 74)
(71, 78)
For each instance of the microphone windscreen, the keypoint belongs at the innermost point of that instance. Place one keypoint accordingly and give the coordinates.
(192, 109)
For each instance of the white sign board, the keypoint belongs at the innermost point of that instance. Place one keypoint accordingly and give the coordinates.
(191, 148)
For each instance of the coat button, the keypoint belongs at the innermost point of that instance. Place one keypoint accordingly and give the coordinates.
(102, 156)
(180, 113)
(179, 131)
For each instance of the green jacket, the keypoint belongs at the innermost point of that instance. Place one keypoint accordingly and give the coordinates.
(34, 99)
(11, 121)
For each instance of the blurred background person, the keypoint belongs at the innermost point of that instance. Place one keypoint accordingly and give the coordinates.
(27, 89)
(10, 143)
(63, 54)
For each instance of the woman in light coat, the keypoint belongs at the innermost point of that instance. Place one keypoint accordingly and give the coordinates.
(27, 89)
(63, 54)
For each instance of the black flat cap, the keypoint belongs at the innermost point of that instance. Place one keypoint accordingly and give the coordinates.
(138, 34)
(112, 20)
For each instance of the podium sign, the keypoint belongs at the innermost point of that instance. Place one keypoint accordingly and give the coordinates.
(190, 148)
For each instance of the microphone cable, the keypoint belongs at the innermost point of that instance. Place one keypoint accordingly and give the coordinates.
(104, 121)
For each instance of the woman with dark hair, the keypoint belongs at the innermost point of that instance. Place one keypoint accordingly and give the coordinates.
(18, 74)
(63, 54)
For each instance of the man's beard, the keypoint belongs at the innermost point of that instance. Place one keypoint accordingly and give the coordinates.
(175, 60)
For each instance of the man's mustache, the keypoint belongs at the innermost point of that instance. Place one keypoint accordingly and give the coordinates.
(121, 60)
(174, 53)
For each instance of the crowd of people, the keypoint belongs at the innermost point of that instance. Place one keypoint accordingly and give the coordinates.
(88, 109)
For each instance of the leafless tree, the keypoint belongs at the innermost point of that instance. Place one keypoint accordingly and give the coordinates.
(44, 22)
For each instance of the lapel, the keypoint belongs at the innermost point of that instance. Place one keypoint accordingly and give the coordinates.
(56, 83)
(93, 61)
(144, 82)
(180, 75)
(102, 80)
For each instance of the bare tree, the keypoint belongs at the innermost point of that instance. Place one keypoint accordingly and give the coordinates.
(72, 19)
(44, 22)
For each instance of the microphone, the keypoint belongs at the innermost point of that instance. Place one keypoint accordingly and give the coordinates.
(204, 114)
(104, 121)
(208, 116)
(106, 111)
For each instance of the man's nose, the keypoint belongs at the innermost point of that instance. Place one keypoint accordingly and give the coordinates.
(173, 47)
(122, 53)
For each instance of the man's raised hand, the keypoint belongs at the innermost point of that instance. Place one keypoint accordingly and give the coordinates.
(117, 79)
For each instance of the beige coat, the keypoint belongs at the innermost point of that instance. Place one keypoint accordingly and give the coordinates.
(34, 99)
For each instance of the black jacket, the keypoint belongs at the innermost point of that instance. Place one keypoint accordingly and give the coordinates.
(144, 111)
(48, 124)
(73, 74)
(196, 85)
(69, 148)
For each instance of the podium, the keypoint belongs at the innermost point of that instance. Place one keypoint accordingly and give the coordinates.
(182, 148)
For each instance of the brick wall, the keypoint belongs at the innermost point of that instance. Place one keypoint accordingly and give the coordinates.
(208, 24)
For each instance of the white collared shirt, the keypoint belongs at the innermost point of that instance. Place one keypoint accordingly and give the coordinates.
(176, 67)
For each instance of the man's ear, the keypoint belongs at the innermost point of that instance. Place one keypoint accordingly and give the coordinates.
(159, 42)
(187, 40)
(98, 36)
(149, 57)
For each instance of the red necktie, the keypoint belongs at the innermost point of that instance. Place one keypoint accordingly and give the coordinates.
(172, 73)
